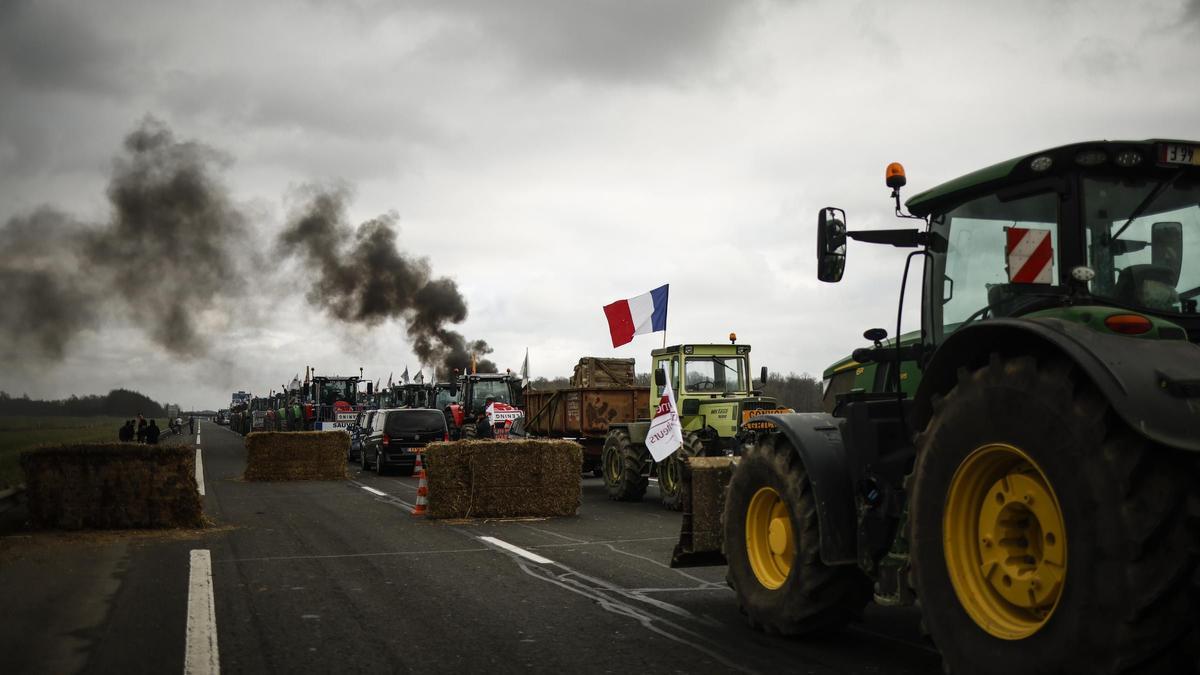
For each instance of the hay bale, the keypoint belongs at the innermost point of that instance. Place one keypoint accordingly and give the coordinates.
(112, 486)
(296, 455)
(709, 476)
(503, 479)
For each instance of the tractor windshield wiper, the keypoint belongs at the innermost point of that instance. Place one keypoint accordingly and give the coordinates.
(1159, 188)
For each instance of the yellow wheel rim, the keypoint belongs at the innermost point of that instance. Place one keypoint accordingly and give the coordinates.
(1005, 541)
(612, 465)
(668, 474)
(769, 541)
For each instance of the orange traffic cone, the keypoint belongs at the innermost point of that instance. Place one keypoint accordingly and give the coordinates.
(419, 466)
(422, 495)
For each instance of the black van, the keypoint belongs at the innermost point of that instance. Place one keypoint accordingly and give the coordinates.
(397, 435)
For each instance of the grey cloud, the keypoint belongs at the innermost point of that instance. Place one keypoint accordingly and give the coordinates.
(45, 46)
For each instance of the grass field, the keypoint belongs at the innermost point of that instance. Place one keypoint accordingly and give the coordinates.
(23, 433)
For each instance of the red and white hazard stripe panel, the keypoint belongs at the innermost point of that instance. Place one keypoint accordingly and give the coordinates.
(1030, 256)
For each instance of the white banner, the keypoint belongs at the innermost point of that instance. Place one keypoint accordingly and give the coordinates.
(666, 433)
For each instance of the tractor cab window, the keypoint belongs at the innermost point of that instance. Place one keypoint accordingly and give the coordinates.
(333, 391)
(443, 399)
(715, 374)
(671, 366)
(1001, 255)
(1152, 261)
(482, 390)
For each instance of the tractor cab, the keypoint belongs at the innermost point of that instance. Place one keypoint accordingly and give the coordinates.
(331, 400)
(469, 396)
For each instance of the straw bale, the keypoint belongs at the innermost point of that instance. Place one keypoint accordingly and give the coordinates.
(296, 455)
(503, 479)
(112, 486)
(709, 478)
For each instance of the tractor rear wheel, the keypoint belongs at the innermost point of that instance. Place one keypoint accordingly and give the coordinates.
(623, 465)
(1046, 535)
(670, 470)
(469, 431)
(772, 543)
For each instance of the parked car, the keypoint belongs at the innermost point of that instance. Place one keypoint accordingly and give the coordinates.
(397, 435)
(358, 434)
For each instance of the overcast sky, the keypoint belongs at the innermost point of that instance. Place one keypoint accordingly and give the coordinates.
(554, 156)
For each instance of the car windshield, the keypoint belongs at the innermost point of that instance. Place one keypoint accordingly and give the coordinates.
(414, 421)
(715, 373)
(998, 253)
(1153, 261)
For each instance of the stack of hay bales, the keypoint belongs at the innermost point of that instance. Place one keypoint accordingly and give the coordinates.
(112, 486)
(703, 489)
(296, 455)
(503, 479)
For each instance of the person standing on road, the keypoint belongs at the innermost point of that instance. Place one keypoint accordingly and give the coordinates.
(152, 433)
(141, 432)
(483, 426)
(191, 424)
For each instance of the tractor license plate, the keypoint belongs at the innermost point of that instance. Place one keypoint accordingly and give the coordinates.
(1176, 153)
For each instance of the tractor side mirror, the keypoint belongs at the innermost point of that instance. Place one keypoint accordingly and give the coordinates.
(453, 388)
(762, 376)
(370, 386)
(1166, 247)
(831, 244)
(660, 377)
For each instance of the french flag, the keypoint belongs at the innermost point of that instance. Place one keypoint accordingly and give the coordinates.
(647, 313)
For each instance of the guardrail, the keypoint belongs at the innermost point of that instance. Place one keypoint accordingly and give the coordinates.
(9, 497)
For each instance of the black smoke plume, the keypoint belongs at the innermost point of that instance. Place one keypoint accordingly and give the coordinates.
(364, 278)
(170, 249)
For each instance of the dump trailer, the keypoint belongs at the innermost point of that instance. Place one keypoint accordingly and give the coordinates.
(713, 389)
(1025, 468)
(601, 391)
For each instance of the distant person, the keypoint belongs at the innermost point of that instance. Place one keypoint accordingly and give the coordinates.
(141, 427)
(125, 435)
(152, 432)
(191, 424)
(179, 425)
(483, 426)
(141, 433)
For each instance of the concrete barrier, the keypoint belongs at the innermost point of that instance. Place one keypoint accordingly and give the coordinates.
(296, 455)
(503, 479)
(112, 486)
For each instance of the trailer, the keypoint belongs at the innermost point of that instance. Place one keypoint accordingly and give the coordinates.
(602, 391)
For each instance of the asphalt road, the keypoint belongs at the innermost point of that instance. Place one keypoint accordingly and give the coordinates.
(338, 577)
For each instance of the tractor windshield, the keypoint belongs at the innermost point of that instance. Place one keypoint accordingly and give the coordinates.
(1000, 255)
(1143, 237)
(715, 374)
(482, 390)
(333, 391)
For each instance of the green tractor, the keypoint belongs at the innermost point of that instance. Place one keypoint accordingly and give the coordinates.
(1026, 467)
(714, 399)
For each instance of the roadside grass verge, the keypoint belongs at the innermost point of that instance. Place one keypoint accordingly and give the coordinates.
(25, 433)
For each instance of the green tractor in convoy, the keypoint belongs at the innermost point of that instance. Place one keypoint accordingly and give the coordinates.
(712, 386)
(1025, 468)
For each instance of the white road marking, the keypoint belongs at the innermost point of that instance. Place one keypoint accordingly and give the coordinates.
(197, 438)
(201, 654)
(518, 550)
(199, 472)
(374, 491)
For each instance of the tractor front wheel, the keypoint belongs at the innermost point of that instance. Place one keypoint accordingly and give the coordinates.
(623, 465)
(1047, 536)
(670, 470)
(772, 543)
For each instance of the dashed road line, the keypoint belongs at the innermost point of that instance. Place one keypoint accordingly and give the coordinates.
(201, 654)
(518, 550)
(199, 472)
(372, 490)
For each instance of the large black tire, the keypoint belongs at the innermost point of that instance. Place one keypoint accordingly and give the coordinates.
(469, 431)
(624, 467)
(1129, 600)
(814, 596)
(362, 460)
(670, 471)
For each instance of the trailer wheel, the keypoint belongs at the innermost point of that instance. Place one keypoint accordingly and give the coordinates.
(772, 543)
(623, 465)
(1046, 535)
(670, 470)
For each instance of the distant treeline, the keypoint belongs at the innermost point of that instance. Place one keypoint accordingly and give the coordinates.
(802, 393)
(116, 403)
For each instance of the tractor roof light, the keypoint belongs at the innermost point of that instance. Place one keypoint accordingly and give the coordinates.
(733, 338)
(1128, 324)
(1128, 158)
(1091, 158)
(1041, 163)
(895, 176)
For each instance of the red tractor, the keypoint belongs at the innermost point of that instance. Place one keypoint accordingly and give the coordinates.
(471, 394)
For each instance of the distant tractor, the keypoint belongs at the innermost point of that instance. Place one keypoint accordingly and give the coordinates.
(1025, 467)
(330, 401)
(714, 396)
(469, 397)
